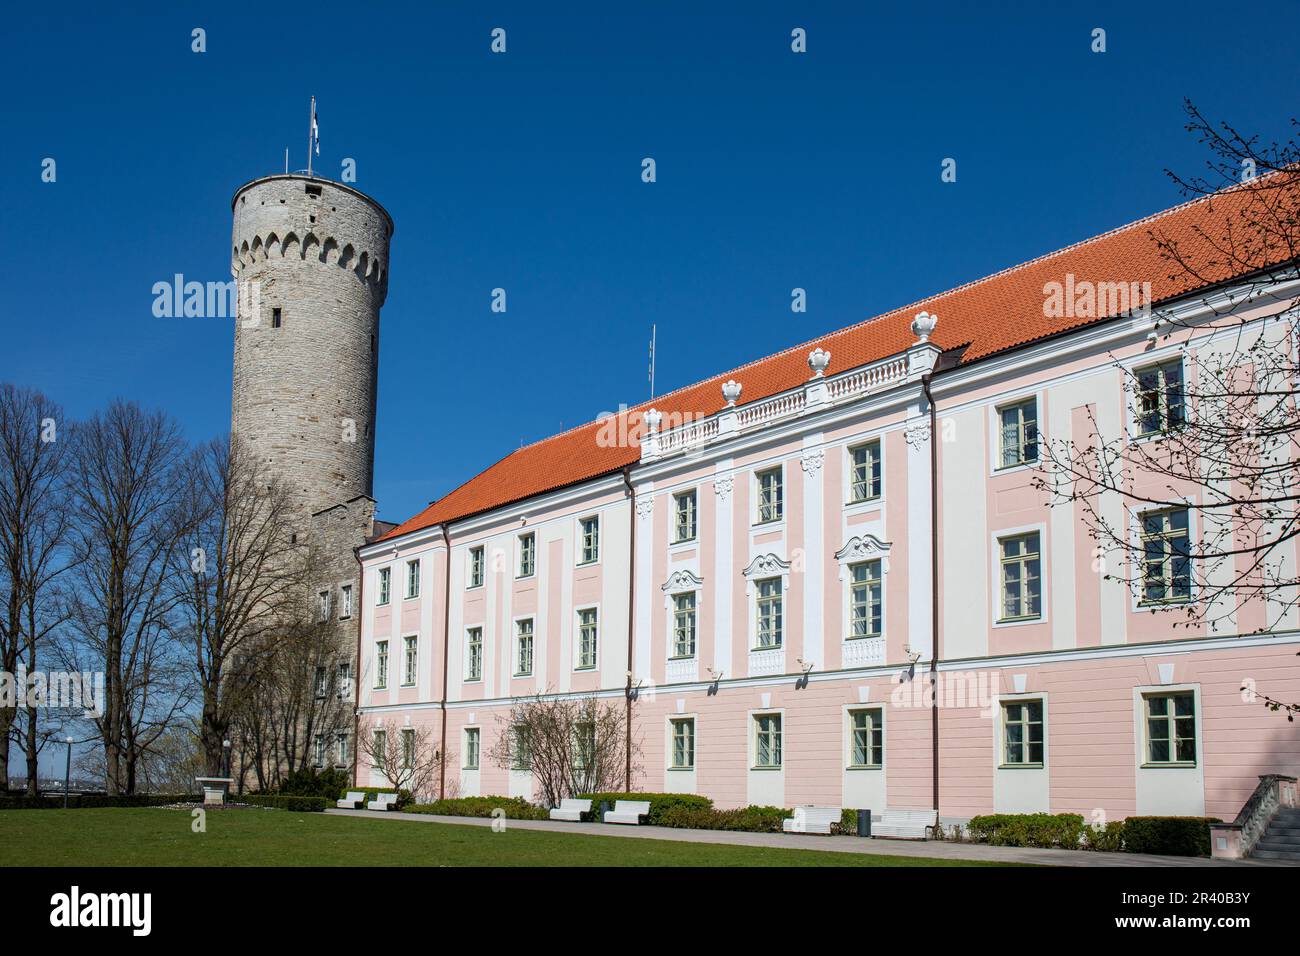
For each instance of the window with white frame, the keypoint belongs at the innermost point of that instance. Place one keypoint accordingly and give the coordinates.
(1170, 728)
(381, 665)
(521, 750)
(323, 606)
(1018, 433)
(584, 746)
(408, 748)
(385, 585)
(474, 653)
(1020, 563)
(413, 579)
(471, 748)
(1159, 398)
(767, 607)
(771, 505)
(410, 653)
(587, 638)
(684, 625)
(767, 741)
(343, 752)
(682, 730)
(1022, 733)
(867, 738)
(527, 554)
(864, 474)
(345, 601)
(345, 680)
(476, 567)
(379, 747)
(589, 536)
(524, 648)
(684, 516)
(866, 610)
(318, 750)
(1166, 556)
(321, 683)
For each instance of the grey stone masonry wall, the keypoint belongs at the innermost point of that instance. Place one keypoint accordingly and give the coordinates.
(304, 392)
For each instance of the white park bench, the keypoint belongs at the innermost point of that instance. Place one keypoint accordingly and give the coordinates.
(904, 824)
(383, 801)
(812, 820)
(352, 801)
(571, 810)
(628, 811)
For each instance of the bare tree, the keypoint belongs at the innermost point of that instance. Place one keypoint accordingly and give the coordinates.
(127, 515)
(570, 745)
(291, 692)
(33, 531)
(238, 580)
(1219, 426)
(409, 757)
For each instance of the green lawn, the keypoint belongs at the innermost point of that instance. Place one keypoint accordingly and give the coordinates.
(158, 837)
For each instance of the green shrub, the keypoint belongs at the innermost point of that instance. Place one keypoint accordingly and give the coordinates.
(660, 803)
(754, 819)
(848, 825)
(86, 801)
(1170, 836)
(516, 808)
(748, 819)
(1105, 839)
(310, 782)
(1062, 830)
(278, 801)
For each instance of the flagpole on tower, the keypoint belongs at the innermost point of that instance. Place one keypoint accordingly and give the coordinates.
(311, 133)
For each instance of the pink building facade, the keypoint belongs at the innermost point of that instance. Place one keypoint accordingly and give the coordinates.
(769, 571)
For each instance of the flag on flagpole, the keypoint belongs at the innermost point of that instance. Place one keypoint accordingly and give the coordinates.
(315, 127)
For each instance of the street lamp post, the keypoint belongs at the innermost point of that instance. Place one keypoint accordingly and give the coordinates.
(67, 774)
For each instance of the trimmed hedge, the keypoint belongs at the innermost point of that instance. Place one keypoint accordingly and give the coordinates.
(285, 802)
(515, 808)
(313, 782)
(752, 819)
(86, 801)
(1028, 829)
(1163, 836)
(1170, 836)
(660, 803)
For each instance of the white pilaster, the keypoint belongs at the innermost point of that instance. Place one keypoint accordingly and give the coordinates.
(723, 583)
(811, 462)
(647, 594)
(919, 489)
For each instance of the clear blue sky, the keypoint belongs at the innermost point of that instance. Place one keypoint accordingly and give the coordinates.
(522, 170)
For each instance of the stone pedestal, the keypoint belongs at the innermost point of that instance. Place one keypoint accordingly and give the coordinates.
(214, 789)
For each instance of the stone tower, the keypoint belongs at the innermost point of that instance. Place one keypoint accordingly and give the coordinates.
(307, 354)
(310, 257)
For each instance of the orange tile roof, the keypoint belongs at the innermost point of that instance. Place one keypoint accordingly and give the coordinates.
(988, 316)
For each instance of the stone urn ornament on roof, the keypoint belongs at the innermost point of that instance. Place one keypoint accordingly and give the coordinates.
(923, 325)
(819, 360)
(731, 392)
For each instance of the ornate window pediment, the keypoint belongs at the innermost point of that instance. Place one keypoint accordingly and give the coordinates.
(683, 579)
(767, 566)
(865, 547)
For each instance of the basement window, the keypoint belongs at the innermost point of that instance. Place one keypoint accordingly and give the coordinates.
(276, 320)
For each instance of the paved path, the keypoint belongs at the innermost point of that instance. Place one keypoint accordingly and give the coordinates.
(926, 849)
